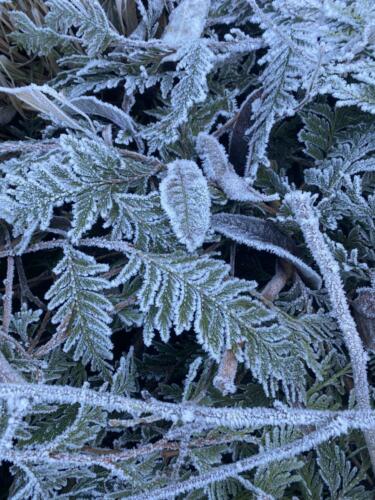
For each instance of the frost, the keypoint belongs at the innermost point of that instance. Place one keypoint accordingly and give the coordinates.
(185, 197)
(49, 102)
(145, 142)
(196, 62)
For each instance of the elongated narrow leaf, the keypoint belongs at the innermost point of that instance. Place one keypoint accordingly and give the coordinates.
(263, 235)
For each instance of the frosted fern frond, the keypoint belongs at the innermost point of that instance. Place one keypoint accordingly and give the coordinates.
(93, 27)
(36, 194)
(353, 94)
(181, 292)
(185, 197)
(95, 179)
(125, 377)
(104, 178)
(276, 101)
(340, 475)
(322, 125)
(195, 64)
(304, 54)
(352, 154)
(35, 39)
(41, 481)
(83, 430)
(275, 478)
(82, 309)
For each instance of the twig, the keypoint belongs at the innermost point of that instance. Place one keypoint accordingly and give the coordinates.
(25, 290)
(7, 372)
(133, 422)
(40, 332)
(58, 338)
(306, 443)
(7, 300)
(307, 218)
(284, 271)
(233, 418)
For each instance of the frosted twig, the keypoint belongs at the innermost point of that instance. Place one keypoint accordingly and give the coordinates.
(7, 299)
(92, 456)
(25, 289)
(307, 218)
(306, 443)
(266, 21)
(7, 372)
(58, 338)
(17, 409)
(133, 422)
(233, 418)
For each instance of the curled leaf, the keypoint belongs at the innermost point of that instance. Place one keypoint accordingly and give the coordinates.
(218, 169)
(263, 235)
(93, 106)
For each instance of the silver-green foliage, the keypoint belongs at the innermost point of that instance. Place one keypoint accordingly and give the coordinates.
(139, 263)
(81, 308)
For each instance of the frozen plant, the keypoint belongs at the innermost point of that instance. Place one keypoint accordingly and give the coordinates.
(187, 247)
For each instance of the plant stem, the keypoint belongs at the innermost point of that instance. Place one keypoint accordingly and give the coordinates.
(306, 217)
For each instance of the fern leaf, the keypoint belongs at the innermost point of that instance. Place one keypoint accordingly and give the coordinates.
(81, 306)
(196, 63)
(94, 29)
(35, 39)
(181, 292)
(342, 478)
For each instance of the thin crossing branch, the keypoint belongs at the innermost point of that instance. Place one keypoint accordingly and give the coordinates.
(306, 217)
(233, 418)
(306, 443)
